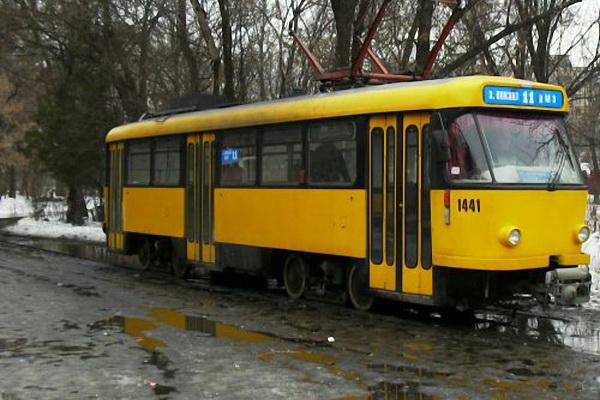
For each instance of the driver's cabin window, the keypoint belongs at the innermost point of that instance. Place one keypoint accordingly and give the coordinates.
(467, 158)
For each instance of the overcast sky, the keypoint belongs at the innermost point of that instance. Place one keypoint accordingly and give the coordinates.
(586, 13)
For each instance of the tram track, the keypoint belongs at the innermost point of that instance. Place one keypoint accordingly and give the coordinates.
(492, 315)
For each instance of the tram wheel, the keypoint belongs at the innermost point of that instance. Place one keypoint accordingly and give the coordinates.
(357, 288)
(145, 255)
(295, 276)
(179, 266)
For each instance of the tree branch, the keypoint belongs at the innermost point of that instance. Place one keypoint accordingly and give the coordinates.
(501, 35)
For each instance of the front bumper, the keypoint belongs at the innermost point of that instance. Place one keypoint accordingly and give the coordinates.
(509, 264)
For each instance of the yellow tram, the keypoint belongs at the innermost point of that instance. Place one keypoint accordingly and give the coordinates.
(440, 192)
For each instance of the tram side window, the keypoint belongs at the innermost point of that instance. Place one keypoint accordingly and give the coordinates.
(281, 156)
(138, 163)
(332, 159)
(238, 158)
(167, 162)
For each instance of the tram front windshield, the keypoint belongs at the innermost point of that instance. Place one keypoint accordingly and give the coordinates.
(505, 147)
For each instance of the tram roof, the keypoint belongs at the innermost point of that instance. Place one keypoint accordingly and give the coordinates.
(396, 97)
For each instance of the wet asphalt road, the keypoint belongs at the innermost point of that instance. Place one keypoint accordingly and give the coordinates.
(79, 329)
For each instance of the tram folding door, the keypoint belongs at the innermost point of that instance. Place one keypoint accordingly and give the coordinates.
(199, 199)
(115, 197)
(395, 186)
(383, 148)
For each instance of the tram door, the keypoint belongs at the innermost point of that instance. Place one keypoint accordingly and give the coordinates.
(115, 196)
(385, 146)
(199, 199)
(416, 244)
(395, 203)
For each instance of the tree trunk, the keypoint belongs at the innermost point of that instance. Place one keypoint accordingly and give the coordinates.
(359, 26)
(227, 49)
(184, 45)
(595, 170)
(76, 211)
(12, 182)
(424, 15)
(343, 11)
(213, 53)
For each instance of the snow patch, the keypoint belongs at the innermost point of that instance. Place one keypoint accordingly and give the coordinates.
(17, 207)
(91, 232)
(592, 247)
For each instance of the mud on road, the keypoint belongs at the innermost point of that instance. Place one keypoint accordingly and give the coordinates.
(73, 328)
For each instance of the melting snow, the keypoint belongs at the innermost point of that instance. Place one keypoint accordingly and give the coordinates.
(18, 207)
(54, 229)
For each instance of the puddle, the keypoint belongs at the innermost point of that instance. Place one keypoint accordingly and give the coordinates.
(6, 222)
(139, 328)
(408, 369)
(161, 390)
(12, 344)
(576, 333)
(394, 391)
(89, 251)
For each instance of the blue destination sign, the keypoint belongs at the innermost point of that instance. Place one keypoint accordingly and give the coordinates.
(522, 97)
(229, 155)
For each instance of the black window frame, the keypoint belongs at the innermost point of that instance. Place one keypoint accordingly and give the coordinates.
(377, 233)
(390, 197)
(260, 162)
(128, 145)
(440, 178)
(411, 200)
(360, 140)
(218, 165)
(182, 161)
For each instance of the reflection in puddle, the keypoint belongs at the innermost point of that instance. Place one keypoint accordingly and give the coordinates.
(579, 334)
(417, 371)
(161, 390)
(138, 327)
(89, 251)
(398, 391)
(393, 391)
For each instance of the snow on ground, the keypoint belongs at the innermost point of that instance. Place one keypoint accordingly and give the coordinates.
(49, 214)
(54, 229)
(18, 207)
(592, 247)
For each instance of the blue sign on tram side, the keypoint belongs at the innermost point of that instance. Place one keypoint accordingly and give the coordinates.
(229, 155)
(513, 96)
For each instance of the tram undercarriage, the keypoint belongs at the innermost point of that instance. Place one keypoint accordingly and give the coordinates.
(470, 288)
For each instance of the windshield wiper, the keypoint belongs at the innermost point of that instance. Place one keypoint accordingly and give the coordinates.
(556, 176)
(564, 155)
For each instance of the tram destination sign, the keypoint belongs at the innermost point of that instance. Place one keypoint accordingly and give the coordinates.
(529, 97)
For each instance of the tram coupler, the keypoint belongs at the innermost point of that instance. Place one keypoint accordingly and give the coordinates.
(569, 286)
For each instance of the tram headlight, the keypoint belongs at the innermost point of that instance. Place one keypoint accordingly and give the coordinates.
(511, 236)
(583, 234)
(514, 237)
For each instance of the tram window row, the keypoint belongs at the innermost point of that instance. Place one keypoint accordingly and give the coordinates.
(282, 155)
(317, 154)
